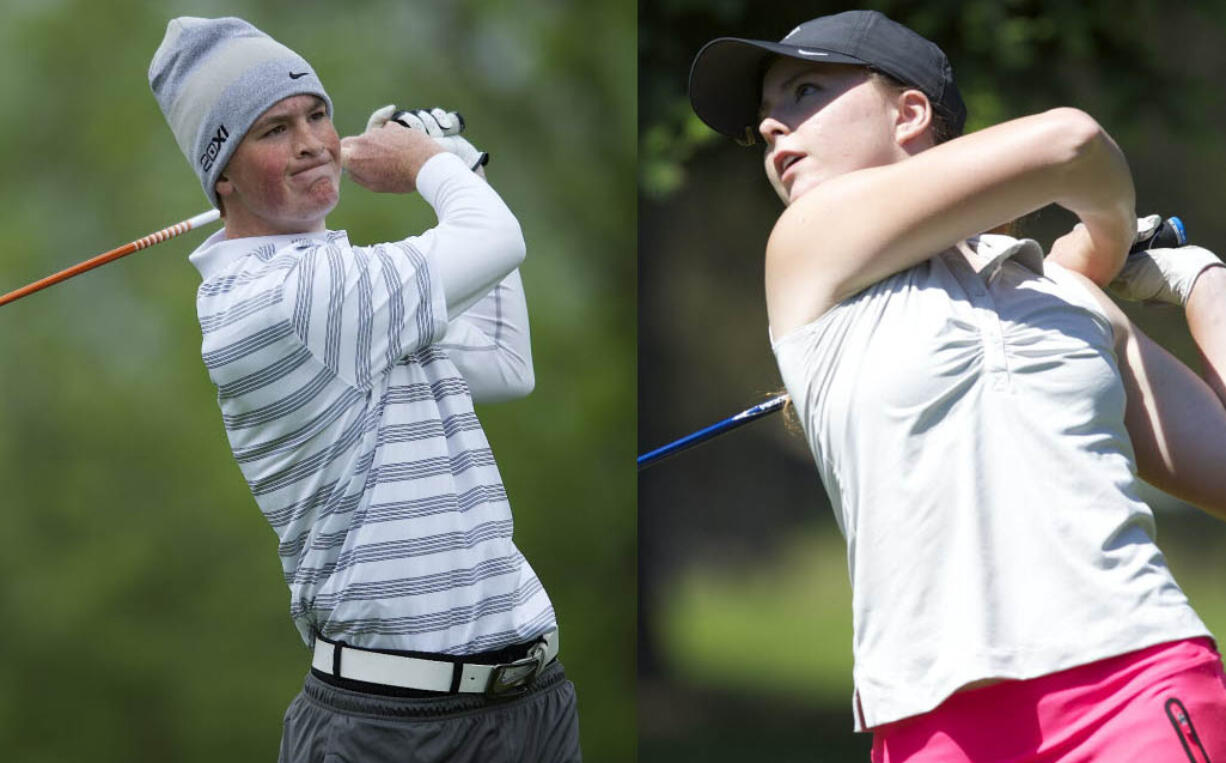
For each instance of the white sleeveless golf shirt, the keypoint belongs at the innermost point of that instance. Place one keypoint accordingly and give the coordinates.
(969, 430)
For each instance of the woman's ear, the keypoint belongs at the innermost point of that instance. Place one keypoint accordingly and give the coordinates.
(914, 118)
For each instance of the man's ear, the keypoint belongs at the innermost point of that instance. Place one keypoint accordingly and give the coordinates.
(914, 117)
(223, 188)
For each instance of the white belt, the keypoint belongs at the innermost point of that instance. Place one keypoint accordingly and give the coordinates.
(344, 661)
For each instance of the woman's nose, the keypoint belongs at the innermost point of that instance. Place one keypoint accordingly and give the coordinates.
(771, 128)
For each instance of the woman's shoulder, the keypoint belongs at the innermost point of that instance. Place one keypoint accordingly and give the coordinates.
(897, 294)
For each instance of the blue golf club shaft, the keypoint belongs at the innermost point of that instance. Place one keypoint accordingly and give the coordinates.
(718, 428)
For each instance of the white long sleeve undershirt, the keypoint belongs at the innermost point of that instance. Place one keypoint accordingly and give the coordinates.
(475, 249)
(477, 241)
(490, 344)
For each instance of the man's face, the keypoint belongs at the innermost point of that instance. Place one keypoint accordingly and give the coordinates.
(285, 175)
(820, 121)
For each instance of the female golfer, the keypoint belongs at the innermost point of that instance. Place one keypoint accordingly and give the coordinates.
(980, 416)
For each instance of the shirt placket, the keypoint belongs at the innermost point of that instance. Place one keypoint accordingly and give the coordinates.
(986, 318)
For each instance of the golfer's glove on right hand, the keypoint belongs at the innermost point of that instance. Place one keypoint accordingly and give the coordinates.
(443, 126)
(1160, 275)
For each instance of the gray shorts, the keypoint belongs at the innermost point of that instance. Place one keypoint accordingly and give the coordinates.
(328, 724)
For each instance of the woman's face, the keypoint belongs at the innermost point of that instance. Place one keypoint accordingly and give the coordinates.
(820, 121)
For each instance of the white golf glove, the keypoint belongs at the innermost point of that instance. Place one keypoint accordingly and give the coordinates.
(379, 117)
(1160, 275)
(444, 126)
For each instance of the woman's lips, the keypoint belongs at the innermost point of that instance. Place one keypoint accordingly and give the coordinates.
(787, 167)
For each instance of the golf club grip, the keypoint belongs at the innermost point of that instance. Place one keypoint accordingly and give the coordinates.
(1171, 233)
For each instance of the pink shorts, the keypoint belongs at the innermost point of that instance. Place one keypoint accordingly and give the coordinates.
(1164, 703)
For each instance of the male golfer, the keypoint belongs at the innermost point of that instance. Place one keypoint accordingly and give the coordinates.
(346, 377)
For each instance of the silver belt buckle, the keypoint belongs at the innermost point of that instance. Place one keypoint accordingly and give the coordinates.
(516, 675)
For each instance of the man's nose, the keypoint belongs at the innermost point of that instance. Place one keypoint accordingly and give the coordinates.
(306, 141)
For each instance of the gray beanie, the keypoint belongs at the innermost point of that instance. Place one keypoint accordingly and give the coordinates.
(213, 78)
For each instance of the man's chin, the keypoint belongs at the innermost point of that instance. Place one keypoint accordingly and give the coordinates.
(323, 198)
(325, 187)
(309, 218)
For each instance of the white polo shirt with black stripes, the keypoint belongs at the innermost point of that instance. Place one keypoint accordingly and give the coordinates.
(355, 431)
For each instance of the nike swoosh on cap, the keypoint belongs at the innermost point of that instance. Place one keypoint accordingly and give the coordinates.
(296, 76)
(804, 52)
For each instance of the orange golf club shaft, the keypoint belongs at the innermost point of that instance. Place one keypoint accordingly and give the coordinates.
(177, 229)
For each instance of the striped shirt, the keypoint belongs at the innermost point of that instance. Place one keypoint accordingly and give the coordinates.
(969, 430)
(354, 427)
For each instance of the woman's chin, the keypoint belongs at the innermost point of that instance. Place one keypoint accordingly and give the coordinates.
(799, 188)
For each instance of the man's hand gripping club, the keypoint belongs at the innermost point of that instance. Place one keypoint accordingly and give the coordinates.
(387, 158)
(444, 126)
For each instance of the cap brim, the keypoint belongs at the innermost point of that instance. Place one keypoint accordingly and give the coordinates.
(726, 80)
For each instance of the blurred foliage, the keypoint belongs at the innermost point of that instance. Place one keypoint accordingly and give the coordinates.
(795, 589)
(1102, 53)
(146, 616)
(745, 622)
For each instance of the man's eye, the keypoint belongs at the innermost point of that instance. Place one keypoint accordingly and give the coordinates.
(318, 115)
(276, 130)
(805, 88)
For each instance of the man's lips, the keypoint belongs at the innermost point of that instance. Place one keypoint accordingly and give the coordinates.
(312, 170)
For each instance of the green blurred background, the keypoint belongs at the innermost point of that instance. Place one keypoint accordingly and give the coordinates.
(119, 488)
(745, 618)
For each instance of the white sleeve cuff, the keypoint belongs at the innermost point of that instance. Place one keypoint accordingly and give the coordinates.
(436, 171)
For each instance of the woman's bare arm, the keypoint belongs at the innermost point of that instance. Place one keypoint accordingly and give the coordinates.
(1175, 420)
(1206, 310)
(853, 230)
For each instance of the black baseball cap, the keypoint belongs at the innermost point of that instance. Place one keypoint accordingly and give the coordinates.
(726, 78)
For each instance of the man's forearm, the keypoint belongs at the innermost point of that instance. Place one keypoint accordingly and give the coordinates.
(477, 241)
(490, 345)
(1206, 312)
